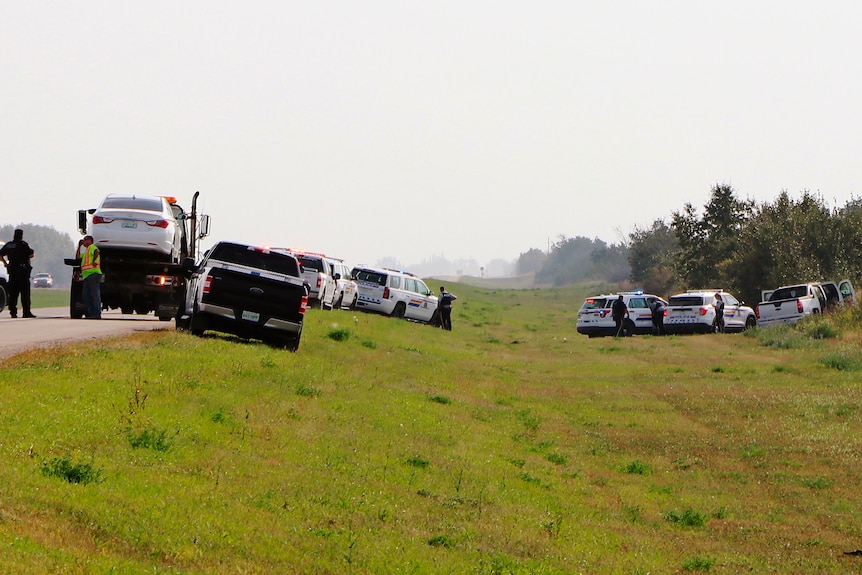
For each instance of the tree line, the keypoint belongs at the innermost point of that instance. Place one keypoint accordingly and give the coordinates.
(51, 248)
(732, 243)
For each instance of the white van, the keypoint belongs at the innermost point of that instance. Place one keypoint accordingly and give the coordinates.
(394, 293)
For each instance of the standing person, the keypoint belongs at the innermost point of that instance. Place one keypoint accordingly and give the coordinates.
(444, 305)
(91, 273)
(619, 312)
(16, 257)
(658, 308)
(719, 313)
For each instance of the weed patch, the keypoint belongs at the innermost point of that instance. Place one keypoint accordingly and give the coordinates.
(688, 518)
(306, 390)
(636, 467)
(150, 438)
(698, 563)
(339, 334)
(63, 468)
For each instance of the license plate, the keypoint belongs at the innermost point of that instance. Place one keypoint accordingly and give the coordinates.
(129, 224)
(251, 316)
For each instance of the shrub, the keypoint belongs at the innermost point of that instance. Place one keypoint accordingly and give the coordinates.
(339, 334)
(63, 468)
(818, 327)
(688, 518)
(636, 467)
(150, 438)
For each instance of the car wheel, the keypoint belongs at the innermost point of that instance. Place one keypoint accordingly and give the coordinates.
(628, 329)
(339, 301)
(398, 312)
(352, 306)
(196, 324)
(750, 322)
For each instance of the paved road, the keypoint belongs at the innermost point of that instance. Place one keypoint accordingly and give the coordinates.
(53, 326)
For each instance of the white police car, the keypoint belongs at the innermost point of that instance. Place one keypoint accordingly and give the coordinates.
(595, 318)
(694, 312)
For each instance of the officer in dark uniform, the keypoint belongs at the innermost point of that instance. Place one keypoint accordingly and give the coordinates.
(16, 257)
(444, 304)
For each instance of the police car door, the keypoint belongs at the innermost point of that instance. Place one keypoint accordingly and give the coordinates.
(419, 304)
(640, 314)
(732, 318)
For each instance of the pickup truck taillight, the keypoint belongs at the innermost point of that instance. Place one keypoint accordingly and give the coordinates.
(303, 305)
(386, 293)
(208, 284)
(319, 282)
(757, 312)
(799, 307)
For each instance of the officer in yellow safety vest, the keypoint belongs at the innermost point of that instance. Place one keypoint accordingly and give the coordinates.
(91, 273)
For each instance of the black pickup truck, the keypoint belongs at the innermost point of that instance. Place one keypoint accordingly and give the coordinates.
(247, 291)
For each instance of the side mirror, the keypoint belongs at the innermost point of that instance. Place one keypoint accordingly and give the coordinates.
(337, 276)
(204, 228)
(82, 222)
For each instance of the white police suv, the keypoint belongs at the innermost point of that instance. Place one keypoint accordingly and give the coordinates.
(694, 312)
(595, 318)
(394, 293)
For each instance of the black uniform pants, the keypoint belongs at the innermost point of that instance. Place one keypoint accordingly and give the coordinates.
(19, 284)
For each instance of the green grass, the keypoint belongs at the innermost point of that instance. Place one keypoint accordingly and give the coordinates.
(509, 445)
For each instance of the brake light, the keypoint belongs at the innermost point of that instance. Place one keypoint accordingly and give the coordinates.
(208, 284)
(664, 313)
(161, 280)
(303, 305)
(158, 223)
(799, 307)
(757, 312)
(319, 282)
(102, 220)
(386, 293)
(703, 310)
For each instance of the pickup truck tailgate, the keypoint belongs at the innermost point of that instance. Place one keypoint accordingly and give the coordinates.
(253, 297)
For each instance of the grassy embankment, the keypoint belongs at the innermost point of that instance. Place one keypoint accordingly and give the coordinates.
(510, 445)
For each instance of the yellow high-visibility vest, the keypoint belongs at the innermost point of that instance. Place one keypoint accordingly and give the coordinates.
(90, 263)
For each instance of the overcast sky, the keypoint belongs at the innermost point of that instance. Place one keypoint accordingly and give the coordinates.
(403, 129)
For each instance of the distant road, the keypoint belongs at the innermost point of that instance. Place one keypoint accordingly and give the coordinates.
(53, 326)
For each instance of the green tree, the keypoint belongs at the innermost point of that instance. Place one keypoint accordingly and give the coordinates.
(530, 261)
(708, 244)
(795, 241)
(51, 248)
(651, 254)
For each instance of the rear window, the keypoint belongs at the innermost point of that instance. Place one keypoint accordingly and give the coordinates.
(595, 303)
(309, 263)
(133, 203)
(789, 293)
(686, 300)
(256, 257)
(369, 276)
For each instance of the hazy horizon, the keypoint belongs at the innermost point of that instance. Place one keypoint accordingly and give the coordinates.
(464, 131)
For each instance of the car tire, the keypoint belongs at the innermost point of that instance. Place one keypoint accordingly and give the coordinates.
(196, 324)
(352, 306)
(339, 301)
(399, 310)
(628, 328)
(750, 322)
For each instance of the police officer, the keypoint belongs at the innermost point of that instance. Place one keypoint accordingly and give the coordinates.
(444, 304)
(619, 312)
(16, 257)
